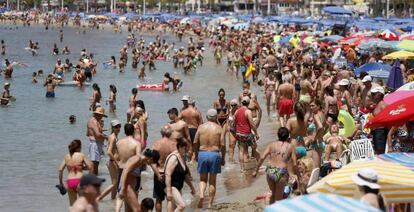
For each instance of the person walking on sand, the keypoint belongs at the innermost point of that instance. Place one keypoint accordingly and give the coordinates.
(113, 160)
(280, 152)
(210, 151)
(75, 162)
(96, 138)
(90, 186)
(176, 173)
(244, 126)
(165, 146)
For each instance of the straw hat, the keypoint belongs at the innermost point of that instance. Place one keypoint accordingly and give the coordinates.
(100, 111)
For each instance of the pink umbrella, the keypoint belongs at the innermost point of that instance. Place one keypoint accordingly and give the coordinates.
(398, 95)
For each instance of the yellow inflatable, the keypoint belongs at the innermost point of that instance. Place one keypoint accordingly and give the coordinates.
(250, 70)
(347, 121)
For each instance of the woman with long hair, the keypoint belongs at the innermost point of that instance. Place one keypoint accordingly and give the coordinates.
(96, 97)
(112, 98)
(75, 162)
(315, 120)
(297, 128)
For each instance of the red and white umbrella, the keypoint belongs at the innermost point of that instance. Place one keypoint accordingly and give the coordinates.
(388, 35)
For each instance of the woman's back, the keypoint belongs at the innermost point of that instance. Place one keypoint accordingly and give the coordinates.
(74, 164)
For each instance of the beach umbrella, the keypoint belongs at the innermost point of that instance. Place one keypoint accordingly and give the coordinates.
(395, 79)
(395, 114)
(402, 158)
(373, 44)
(397, 96)
(399, 55)
(308, 39)
(396, 181)
(388, 35)
(406, 45)
(320, 202)
(374, 68)
(333, 38)
(407, 86)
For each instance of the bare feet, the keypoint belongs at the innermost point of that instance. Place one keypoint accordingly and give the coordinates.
(200, 202)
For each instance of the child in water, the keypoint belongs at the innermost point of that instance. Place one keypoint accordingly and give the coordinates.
(34, 75)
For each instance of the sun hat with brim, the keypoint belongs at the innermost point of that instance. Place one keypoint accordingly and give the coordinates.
(6, 84)
(100, 111)
(367, 177)
(186, 98)
(367, 79)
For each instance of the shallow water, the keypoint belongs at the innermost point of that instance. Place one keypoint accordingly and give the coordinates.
(34, 131)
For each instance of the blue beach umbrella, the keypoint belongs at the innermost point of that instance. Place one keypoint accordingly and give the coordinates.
(405, 159)
(320, 202)
(395, 79)
(380, 70)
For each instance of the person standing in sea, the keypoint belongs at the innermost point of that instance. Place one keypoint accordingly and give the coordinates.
(96, 138)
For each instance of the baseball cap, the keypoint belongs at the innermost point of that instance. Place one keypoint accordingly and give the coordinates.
(367, 79)
(115, 122)
(90, 179)
(377, 89)
(212, 113)
(186, 98)
(6, 83)
(234, 102)
(246, 99)
(343, 82)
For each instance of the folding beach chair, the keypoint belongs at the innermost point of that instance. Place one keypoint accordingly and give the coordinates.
(361, 149)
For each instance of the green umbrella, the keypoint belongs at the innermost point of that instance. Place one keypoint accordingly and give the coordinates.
(406, 45)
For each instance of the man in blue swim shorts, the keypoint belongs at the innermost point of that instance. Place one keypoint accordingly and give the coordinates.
(210, 153)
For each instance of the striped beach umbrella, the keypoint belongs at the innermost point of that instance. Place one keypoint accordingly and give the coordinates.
(397, 181)
(405, 159)
(320, 202)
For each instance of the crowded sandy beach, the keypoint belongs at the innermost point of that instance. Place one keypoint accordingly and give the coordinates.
(219, 112)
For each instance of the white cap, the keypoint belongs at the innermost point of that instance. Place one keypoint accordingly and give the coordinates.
(234, 102)
(377, 89)
(367, 79)
(343, 82)
(212, 113)
(367, 177)
(115, 122)
(246, 99)
(186, 98)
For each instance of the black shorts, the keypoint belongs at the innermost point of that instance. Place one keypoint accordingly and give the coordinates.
(159, 187)
(193, 132)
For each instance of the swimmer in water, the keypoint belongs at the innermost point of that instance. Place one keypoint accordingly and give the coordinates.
(72, 119)
(6, 97)
(50, 87)
(34, 75)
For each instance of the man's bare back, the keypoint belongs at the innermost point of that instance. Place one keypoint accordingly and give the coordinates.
(192, 117)
(209, 137)
(286, 91)
(127, 147)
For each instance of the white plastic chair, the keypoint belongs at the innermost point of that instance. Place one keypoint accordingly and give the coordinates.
(344, 158)
(314, 177)
(361, 149)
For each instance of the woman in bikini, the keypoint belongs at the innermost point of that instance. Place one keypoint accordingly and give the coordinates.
(75, 162)
(298, 128)
(344, 96)
(132, 103)
(222, 106)
(113, 158)
(139, 120)
(112, 98)
(315, 120)
(270, 87)
(96, 97)
(307, 89)
(229, 128)
(280, 152)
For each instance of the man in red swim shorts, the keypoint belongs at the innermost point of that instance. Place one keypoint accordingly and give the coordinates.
(286, 94)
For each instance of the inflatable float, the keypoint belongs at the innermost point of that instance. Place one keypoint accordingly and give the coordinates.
(31, 50)
(73, 83)
(250, 70)
(152, 87)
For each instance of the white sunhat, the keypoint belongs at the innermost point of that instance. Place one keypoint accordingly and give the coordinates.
(367, 177)
(377, 89)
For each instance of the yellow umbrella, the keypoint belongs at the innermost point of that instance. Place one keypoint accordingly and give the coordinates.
(396, 181)
(399, 55)
(406, 45)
